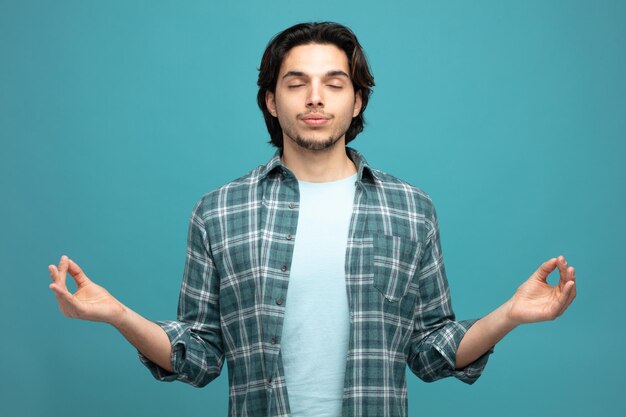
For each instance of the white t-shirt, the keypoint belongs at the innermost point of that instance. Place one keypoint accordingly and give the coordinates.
(317, 319)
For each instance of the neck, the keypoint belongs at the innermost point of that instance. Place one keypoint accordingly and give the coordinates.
(318, 166)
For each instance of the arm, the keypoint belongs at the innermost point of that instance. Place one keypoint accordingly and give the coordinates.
(534, 301)
(188, 349)
(436, 333)
(93, 302)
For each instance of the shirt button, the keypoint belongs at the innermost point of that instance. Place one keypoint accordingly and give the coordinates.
(280, 301)
(291, 205)
(274, 340)
(283, 268)
(288, 237)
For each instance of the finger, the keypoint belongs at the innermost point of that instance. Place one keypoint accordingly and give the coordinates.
(67, 303)
(573, 284)
(567, 275)
(62, 270)
(571, 297)
(52, 269)
(545, 269)
(569, 293)
(59, 290)
(77, 274)
(55, 275)
(564, 272)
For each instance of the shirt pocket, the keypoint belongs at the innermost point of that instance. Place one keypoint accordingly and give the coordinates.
(396, 260)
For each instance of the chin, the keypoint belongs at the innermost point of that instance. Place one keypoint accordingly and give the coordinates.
(318, 144)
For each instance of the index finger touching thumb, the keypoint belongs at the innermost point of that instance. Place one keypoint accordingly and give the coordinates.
(545, 269)
(77, 273)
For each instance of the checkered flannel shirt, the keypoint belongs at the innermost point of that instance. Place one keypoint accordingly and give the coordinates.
(234, 293)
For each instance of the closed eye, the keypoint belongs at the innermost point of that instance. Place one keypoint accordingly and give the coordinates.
(295, 85)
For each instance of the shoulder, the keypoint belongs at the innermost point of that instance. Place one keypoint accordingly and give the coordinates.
(393, 192)
(390, 192)
(238, 192)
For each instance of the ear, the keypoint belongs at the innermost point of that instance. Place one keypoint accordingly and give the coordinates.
(270, 103)
(358, 104)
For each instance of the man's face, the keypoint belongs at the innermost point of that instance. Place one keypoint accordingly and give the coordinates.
(314, 98)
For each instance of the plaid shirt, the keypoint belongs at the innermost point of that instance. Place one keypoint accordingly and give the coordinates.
(233, 295)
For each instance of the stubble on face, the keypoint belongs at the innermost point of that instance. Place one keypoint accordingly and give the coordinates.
(312, 144)
(315, 145)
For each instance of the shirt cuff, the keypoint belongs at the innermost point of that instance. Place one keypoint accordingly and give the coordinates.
(178, 340)
(447, 341)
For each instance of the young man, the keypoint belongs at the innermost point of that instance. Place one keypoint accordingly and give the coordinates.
(317, 277)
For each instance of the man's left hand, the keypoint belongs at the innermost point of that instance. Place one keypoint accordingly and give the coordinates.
(536, 300)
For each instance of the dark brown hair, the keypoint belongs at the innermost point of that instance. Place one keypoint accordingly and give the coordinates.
(320, 33)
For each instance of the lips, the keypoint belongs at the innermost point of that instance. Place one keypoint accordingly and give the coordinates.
(315, 119)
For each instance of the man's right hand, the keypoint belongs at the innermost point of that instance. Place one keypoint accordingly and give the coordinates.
(90, 301)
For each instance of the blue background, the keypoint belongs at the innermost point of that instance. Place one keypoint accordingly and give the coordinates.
(115, 117)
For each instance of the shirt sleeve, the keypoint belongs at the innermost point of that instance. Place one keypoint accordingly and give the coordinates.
(197, 351)
(436, 334)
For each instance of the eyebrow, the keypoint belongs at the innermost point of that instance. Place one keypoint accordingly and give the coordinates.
(333, 73)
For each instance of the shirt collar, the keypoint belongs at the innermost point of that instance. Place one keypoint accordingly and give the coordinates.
(364, 172)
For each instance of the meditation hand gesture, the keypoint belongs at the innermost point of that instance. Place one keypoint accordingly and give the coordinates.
(536, 300)
(89, 302)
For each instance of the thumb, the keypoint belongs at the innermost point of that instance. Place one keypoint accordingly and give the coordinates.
(545, 269)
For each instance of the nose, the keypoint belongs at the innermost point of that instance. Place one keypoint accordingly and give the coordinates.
(314, 98)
